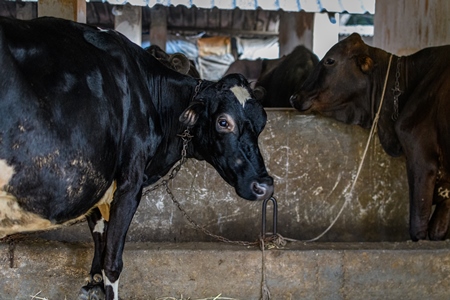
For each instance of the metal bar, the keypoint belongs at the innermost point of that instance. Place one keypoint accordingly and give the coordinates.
(274, 216)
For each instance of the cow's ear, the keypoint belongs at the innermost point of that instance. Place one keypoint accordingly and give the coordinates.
(180, 63)
(259, 92)
(365, 63)
(190, 115)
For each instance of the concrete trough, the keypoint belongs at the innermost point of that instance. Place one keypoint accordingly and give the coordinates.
(55, 270)
(314, 161)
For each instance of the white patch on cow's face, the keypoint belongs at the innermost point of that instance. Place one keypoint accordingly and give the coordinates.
(241, 94)
(6, 173)
(114, 285)
(99, 226)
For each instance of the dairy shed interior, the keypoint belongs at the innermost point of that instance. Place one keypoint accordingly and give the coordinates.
(366, 254)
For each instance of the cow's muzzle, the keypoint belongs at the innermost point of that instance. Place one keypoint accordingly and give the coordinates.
(263, 189)
(300, 103)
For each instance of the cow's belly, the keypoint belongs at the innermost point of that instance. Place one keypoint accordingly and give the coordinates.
(14, 219)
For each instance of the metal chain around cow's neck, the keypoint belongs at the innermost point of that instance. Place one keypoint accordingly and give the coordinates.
(186, 136)
(396, 90)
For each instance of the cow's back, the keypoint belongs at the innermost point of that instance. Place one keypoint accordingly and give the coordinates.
(70, 98)
(428, 94)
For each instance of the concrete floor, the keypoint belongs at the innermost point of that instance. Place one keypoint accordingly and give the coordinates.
(56, 270)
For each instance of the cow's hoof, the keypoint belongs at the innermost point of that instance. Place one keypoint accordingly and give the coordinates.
(94, 290)
(91, 292)
(438, 234)
(417, 236)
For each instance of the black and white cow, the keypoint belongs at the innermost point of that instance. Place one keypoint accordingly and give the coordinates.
(89, 119)
(347, 85)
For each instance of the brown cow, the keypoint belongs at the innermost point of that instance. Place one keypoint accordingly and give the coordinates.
(347, 85)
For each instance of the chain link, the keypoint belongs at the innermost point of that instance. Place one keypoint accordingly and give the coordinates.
(186, 136)
(396, 90)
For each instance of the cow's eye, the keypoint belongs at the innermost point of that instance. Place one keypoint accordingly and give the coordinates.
(329, 61)
(223, 123)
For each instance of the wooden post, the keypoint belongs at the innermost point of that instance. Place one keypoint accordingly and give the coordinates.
(128, 21)
(158, 26)
(25, 10)
(74, 10)
(326, 34)
(296, 28)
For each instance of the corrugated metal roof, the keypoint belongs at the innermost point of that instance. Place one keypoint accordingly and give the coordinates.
(339, 6)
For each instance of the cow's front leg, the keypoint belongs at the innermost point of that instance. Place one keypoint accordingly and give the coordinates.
(122, 211)
(418, 143)
(439, 223)
(421, 179)
(94, 289)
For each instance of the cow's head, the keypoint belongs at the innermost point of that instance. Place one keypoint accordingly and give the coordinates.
(338, 86)
(226, 120)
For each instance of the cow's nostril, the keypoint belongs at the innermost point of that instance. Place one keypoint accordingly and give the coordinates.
(259, 189)
(293, 98)
(262, 190)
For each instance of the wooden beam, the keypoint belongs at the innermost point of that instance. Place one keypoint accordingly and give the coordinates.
(221, 31)
(74, 10)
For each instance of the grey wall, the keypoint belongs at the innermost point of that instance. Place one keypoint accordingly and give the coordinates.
(403, 27)
(313, 160)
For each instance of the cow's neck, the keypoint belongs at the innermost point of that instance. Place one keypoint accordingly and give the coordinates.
(172, 101)
(411, 71)
(386, 122)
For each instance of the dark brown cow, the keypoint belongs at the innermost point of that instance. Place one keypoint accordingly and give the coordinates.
(249, 68)
(253, 69)
(177, 61)
(347, 85)
(282, 80)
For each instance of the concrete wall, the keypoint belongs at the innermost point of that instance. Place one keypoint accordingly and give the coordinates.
(313, 160)
(402, 27)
